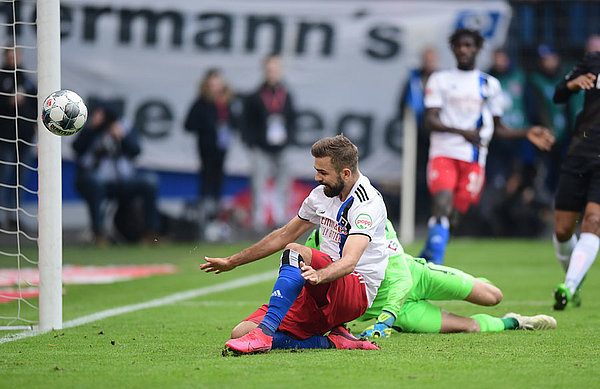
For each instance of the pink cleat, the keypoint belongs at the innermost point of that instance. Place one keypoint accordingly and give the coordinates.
(343, 339)
(253, 342)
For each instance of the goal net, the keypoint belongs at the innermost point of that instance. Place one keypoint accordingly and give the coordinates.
(30, 252)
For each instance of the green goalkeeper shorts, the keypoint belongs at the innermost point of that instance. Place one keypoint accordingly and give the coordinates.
(434, 282)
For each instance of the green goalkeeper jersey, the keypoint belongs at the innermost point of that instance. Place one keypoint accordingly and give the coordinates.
(398, 282)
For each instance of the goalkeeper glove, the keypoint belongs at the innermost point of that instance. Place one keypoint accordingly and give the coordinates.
(382, 328)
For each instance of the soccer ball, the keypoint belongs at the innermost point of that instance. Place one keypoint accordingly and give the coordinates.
(64, 112)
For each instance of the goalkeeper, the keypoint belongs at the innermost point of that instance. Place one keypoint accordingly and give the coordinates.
(402, 299)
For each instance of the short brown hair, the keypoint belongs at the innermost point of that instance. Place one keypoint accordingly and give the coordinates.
(343, 153)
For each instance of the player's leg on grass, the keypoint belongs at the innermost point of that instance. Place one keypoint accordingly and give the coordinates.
(438, 227)
(484, 293)
(339, 337)
(582, 258)
(446, 283)
(442, 178)
(564, 238)
(424, 317)
(286, 290)
(283, 341)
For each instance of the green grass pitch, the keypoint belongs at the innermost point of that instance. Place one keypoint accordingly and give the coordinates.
(179, 345)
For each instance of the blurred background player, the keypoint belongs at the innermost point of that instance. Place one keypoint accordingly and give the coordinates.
(579, 181)
(15, 133)
(462, 112)
(105, 151)
(269, 117)
(210, 118)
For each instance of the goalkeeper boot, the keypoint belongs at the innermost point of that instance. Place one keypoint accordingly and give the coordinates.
(562, 297)
(343, 339)
(537, 322)
(254, 342)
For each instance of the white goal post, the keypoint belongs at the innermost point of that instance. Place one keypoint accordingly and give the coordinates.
(409, 176)
(49, 173)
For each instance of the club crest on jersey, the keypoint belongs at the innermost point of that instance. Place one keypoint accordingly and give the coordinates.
(363, 221)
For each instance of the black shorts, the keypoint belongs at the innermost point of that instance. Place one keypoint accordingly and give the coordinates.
(578, 183)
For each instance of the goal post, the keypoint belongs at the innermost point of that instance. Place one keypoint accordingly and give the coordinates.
(49, 173)
(409, 176)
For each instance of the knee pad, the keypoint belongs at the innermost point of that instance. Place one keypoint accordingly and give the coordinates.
(290, 257)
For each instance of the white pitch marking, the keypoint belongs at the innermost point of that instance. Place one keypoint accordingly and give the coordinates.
(237, 283)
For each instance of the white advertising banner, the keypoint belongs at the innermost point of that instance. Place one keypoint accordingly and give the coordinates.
(345, 64)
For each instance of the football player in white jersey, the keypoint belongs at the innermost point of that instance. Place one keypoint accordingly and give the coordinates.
(318, 291)
(462, 113)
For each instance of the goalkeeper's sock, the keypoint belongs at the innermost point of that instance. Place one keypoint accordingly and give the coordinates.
(282, 341)
(286, 290)
(582, 258)
(439, 234)
(489, 323)
(564, 250)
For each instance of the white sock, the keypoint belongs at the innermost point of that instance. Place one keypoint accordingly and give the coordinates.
(582, 258)
(564, 250)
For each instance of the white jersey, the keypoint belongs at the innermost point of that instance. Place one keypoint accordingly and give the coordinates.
(468, 100)
(363, 212)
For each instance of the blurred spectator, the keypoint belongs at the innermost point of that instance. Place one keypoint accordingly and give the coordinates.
(15, 133)
(412, 97)
(542, 111)
(105, 151)
(269, 127)
(507, 179)
(210, 119)
(593, 43)
(503, 154)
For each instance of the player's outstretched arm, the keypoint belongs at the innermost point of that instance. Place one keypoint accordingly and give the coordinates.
(353, 249)
(540, 136)
(584, 82)
(268, 245)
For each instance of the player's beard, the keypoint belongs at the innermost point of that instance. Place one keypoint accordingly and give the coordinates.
(334, 189)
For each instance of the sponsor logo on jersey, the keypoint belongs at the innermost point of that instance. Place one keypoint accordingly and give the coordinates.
(363, 221)
(330, 229)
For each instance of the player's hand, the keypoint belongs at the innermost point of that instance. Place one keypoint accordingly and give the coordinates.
(382, 328)
(218, 265)
(585, 82)
(377, 330)
(472, 136)
(309, 274)
(541, 137)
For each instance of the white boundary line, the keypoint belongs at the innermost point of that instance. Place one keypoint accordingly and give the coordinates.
(193, 293)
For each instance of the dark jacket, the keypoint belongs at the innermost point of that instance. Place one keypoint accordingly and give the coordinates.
(94, 145)
(256, 114)
(203, 119)
(27, 109)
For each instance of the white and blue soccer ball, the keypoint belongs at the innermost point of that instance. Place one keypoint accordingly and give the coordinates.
(64, 112)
